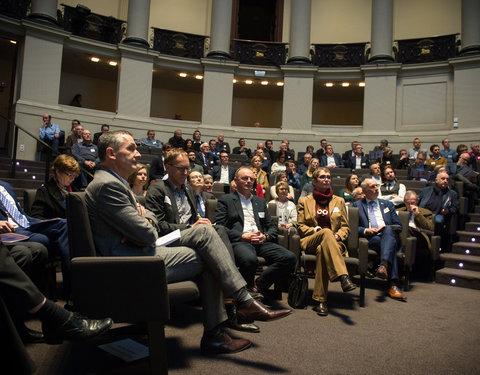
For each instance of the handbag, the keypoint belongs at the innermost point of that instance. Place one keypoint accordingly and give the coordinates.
(297, 290)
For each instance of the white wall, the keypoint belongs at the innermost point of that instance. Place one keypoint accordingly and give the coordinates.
(247, 111)
(165, 103)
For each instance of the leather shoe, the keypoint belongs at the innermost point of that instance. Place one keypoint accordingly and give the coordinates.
(346, 283)
(222, 344)
(382, 272)
(255, 293)
(258, 311)
(30, 336)
(76, 328)
(395, 293)
(321, 309)
(233, 323)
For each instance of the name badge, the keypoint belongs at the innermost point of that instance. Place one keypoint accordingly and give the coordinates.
(386, 210)
(433, 163)
(261, 215)
(167, 200)
(335, 209)
(92, 150)
(364, 163)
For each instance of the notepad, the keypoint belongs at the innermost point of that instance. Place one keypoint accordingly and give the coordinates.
(168, 238)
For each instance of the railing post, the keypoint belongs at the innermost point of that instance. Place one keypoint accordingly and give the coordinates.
(14, 155)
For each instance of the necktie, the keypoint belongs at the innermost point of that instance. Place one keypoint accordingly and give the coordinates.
(371, 214)
(200, 209)
(13, 211)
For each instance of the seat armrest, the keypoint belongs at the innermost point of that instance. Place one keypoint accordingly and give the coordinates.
(409, 250)
(362, 255)
(128, 289)
(436, 242)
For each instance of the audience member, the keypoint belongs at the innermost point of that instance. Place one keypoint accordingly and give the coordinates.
(387, 159)
(323, 228)
(150, 141)
(322, 150)
(383, 145)
(375, 173)
(50, 133)
(379, 223)
(121, 228)
(86, 153)
(253, 233)
(290, 151)
(157, 168)
(359, 160)
(207, 183)
(470, 179)
(286, 211)
(293, 178)
(449, 154)
(282, 176)
(330, 159)
(403, 161)
(418, 171)
(223, 173)
(269, 150)
(76, 101)
(261, 146)
(279, 165)
(188, 145)
(349, 154)
(75, 136)
(351, 182)
(443, 203)
(192, 158)
(257, 188)
(195, 181)
(212, 143)
(221, 144)
(303, 166)
(357, 194)
(266, 164)
(308, 175)
(284, 149)
(177, 141)
(391, 190)
(475, 151)
(262, 178)
(138, 180)
(50, 200)
(417, 146)
(103, 129)
(435, 158)
(461, 149)
(242, 149)
(197, 142)
(205, 159)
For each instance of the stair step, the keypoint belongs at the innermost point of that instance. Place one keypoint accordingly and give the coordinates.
(25, 184)
(477, 209)
(462, 247)
(23, 175)
(460, 261)
(465, 236)
(472, 227)
(474, 217)
(455, 277)
(28, 163)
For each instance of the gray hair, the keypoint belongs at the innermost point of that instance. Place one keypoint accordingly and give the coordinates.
(111, 139)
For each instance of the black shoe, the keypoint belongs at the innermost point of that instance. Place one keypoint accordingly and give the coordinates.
(321, 309)
(76, 328)
(233, 323)
(30, 336)
(346, 283)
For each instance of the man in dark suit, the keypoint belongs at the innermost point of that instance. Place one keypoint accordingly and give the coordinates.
(322, 150)
(205, 158)
(253, 233)
(348, 154)
(359, 160)
(330, 159)
(223, 173)
(177, 141)
(195, 181)
(221, 144)
(379, 223)
(157, 169)
(104, 129)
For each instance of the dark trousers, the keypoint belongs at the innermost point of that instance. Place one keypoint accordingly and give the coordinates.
(386, 245)
(281, 262)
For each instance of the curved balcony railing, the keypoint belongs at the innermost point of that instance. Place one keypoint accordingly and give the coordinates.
(180, 44)
(82, 22)
(339, 55)
(423, 50)
(259, 53)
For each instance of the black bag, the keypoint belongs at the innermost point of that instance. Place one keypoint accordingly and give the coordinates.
(297, 291)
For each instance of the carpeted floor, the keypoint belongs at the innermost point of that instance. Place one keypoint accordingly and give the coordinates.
(436, 332)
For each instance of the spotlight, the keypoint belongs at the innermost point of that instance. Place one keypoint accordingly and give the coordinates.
(25, 170)
(183, 75)
(94, 59)
(234, 80)
(248, 81)
(198, 76)
(264, 83)
(329, 84)
(345, 84)
(13, 41)
(112, 63)
(361, 84)
(473, 239)
(34, 177)
(280, 83)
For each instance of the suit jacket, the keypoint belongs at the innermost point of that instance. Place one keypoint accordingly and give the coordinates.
(161, 201)
(118, 229)
(338, 160)
(424, 220)
(49, 202)
(306, 221)
(229, 213)
(248, 152)
(352, 160)
(217, 172)
(200, 161)
(427, 192)
(387, 209)
(157, 169)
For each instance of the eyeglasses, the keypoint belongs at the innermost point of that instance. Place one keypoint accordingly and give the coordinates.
(71, 175)
(180, 169)
(324, 177)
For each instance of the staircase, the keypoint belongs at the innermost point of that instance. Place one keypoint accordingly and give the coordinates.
(28, 175)
(462, 265)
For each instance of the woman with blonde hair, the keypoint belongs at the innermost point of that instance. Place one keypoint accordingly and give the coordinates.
(262, 178)
(282, 176)
(286, 209)
(313, 164)
(138, 180)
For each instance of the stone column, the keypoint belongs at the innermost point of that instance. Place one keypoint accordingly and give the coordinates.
(300, 32)
(382, 31)
(138, 21)
(220, 29)
(470, 27)
(134, 83)
(44, 11)
(297, 99)
(218, 93)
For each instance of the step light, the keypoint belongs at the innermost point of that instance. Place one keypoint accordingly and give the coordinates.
(460, 265)
(453, 281)
(25, 170)
(18, 163)
(467, 251)
(473, 239)
(478, 229)
(34, 177)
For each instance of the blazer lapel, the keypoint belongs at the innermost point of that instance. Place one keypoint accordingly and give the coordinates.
(173, 204)
(238, 206)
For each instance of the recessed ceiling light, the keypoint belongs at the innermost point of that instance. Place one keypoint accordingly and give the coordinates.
(183, 75)
(112, 63)
(234, 80)
(13, 41)
(329, 84)
(361, 84)
(94, 59)
(264, 83)
(248, 81)
(198, 76)
(345, 84)
(280, 83)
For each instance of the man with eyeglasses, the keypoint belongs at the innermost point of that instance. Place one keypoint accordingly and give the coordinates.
(379, 223)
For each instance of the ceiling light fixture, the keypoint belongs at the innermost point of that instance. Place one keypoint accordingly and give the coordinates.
(248, 81)
(94, 59)
(13, 41)
(361, 84)
(198, 76)
(280, 83)
(112, 63)
(345, 84)
(329, 84)
(183, 75)
(264, 83)
(234, 80)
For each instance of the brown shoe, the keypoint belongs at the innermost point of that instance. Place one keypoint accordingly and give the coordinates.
(346, 283)
(321, 309)
(395, 293)
(222, 344)
(258, 311)
(382, 272)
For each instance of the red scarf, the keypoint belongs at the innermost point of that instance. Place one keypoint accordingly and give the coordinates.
(321, 207)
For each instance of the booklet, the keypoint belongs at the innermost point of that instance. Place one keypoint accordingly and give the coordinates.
(127, 349)
(168, 238)
(13, 237)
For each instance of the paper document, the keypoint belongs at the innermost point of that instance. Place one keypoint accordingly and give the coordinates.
(127, 349)
(12, 237)
(168, 238)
